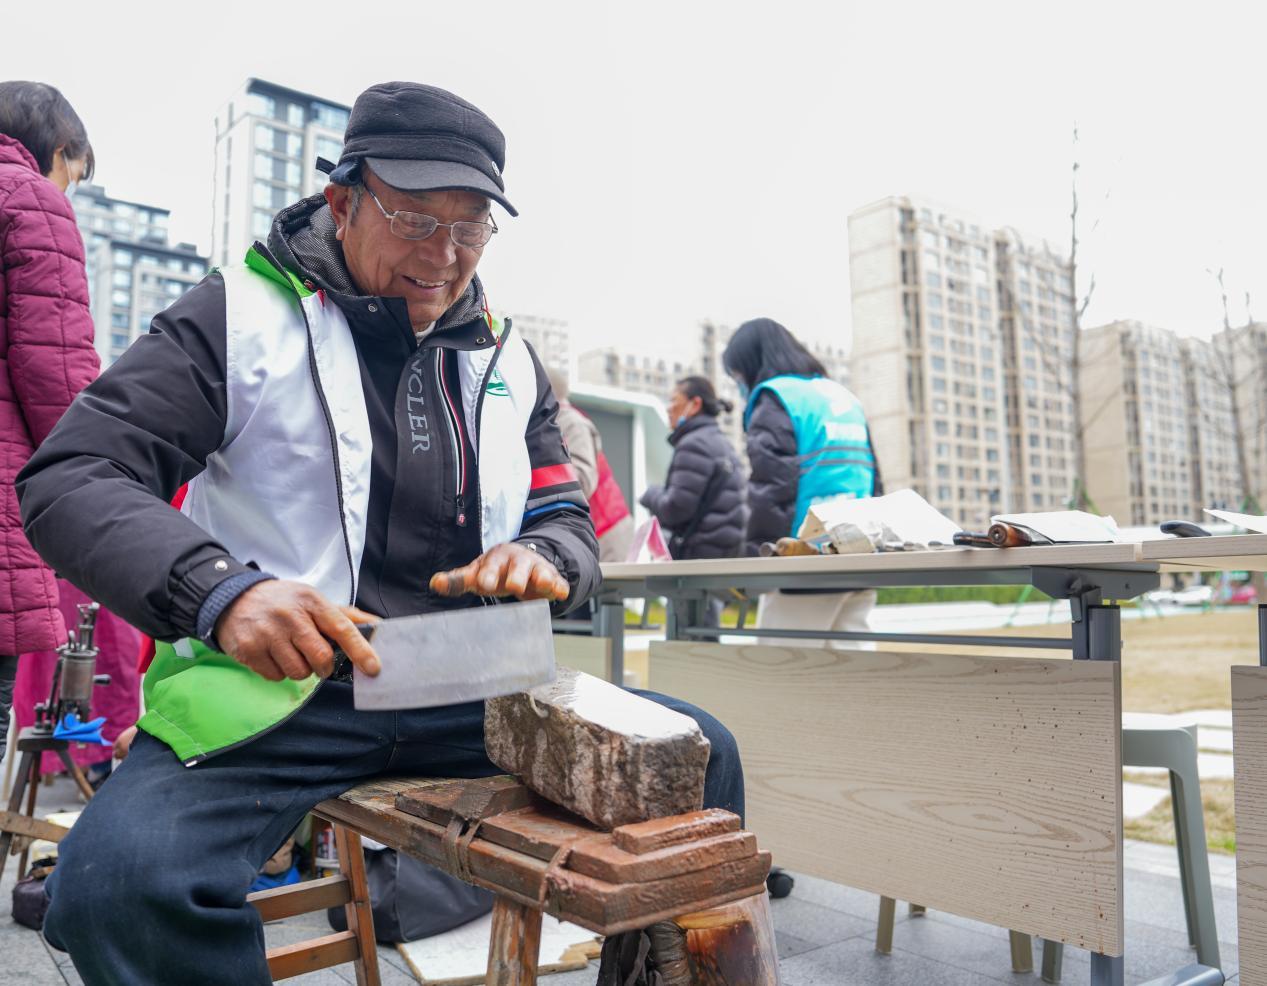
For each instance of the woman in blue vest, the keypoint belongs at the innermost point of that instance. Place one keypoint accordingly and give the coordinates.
(807, 441)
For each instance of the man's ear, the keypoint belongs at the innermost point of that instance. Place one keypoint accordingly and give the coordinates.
(339, 198)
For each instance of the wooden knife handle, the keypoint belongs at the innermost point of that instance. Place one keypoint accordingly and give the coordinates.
(1007, 536)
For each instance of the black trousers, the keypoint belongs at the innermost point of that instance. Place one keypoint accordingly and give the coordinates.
(150, 887)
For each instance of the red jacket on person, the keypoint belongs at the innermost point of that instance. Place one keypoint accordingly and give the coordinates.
(46, 358)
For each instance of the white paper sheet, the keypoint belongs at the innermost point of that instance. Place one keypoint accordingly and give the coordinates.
(909, 517)
(1251, 522)
(461, 955)
(1065, 526)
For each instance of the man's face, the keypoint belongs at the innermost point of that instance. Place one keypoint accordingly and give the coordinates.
(429, 274)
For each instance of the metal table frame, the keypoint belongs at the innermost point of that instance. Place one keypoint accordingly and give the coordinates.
(1096, 627)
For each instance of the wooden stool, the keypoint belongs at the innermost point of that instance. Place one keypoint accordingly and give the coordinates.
(349, 888)
(25, 825)
(494, 833)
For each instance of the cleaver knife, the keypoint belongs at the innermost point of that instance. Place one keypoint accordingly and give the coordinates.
(460, 655)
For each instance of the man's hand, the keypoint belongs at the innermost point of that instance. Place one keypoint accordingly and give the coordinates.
(282, 629)
(123, 743)
(506, 570)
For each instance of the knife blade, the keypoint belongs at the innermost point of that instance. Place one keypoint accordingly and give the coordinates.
(457, 656)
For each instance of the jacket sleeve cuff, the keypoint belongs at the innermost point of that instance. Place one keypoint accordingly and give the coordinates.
(220, 598)
(548, 550)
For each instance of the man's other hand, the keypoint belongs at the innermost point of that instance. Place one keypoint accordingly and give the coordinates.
(281, 629)
(505, 570)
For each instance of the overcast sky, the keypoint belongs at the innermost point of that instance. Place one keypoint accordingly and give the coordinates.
(679, 161)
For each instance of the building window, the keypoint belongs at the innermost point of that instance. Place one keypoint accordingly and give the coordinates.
(295, 115)
(330, 117)
(261, 223)
(262, 105)
(329, 149)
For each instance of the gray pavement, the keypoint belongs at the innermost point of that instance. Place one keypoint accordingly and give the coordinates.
(825, 935)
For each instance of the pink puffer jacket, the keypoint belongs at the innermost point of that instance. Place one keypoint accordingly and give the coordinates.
(46, 358)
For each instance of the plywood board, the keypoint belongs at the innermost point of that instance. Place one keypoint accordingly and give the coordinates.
(1247, 552)
(589, 654)
(987, 787)
(1249, 756)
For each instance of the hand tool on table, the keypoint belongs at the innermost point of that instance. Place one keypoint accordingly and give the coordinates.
(972, 539)
(1184, 529)
(456, 656)
(1010, 536)
(787, 547)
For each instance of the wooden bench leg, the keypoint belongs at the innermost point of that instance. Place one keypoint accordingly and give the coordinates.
(360, 917)
(884, 926)
(513, 944)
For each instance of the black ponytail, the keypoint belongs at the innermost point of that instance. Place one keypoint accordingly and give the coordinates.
(702, 387)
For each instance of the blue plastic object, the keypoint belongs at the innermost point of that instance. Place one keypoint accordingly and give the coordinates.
(71, 729)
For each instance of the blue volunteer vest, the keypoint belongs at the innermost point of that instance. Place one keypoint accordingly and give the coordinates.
(833, 448)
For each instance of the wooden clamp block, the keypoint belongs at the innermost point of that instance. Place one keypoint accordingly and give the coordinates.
(657, 833)
(467, 799)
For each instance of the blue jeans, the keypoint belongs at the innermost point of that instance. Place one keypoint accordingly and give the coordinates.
(150, 886)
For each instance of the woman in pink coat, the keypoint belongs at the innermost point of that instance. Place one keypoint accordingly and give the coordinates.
(46, 350)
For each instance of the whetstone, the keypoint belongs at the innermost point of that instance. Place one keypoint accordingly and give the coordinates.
(608, 755)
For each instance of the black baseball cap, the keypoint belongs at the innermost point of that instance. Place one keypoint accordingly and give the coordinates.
(422, 138)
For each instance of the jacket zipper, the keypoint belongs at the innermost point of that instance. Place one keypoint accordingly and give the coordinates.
(338, 485)
(455, 436)
(479, 415)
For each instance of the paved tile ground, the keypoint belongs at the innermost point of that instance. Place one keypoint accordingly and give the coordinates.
(825, 935)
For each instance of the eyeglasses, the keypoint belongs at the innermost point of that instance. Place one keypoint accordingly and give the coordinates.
(417, 226)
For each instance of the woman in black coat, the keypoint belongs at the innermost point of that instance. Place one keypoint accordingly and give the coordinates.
(701, 504)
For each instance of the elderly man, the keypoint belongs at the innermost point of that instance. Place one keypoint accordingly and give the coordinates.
(352, 425)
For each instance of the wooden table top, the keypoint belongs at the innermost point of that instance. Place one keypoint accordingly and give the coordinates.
(1237, 551)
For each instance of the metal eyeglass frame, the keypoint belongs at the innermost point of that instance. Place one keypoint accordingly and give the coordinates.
(490, 226)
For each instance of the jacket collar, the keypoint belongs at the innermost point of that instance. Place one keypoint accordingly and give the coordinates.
(13, 151)
(700, 420)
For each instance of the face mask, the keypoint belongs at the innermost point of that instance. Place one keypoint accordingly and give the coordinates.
(70, 185)
(743, 390)
(681, 420)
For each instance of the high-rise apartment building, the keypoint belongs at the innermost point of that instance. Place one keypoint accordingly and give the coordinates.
(268, 138)
(1036, 327)
(133, 271)
(1136, 423)
(928, 355)
(1212, 453)
(1243, 351)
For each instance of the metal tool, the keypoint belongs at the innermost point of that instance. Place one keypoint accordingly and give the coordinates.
(65, 713)
(458, 656)
(1184, 529)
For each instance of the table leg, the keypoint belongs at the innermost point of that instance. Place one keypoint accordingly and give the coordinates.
(1107, 970)
(32, 789)
(609, 621)
(1262, 634)
(513, 944)
(76, 774)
